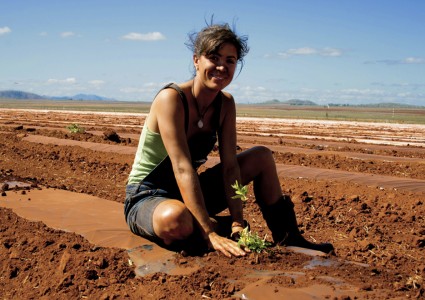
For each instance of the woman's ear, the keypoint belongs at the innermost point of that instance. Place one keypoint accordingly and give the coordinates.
(196, 62)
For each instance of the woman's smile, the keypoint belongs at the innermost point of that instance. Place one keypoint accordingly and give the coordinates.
(219, 67)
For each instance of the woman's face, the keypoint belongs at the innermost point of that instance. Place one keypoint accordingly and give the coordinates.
(216, 70)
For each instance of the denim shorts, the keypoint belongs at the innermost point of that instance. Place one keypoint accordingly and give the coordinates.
(142, 199)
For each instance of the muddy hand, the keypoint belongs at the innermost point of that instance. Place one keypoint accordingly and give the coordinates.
(226, 246)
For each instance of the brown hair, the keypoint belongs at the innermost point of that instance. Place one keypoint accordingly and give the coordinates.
(213, 36)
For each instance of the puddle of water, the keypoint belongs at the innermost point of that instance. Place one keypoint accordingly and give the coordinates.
(269, 273)
(262, 290)
(150, 258)
(330, 262)
(105, 227)
(322, 262)
(19, 184)
(148, 262)
(306, 251)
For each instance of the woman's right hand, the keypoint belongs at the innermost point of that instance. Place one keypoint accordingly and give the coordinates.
(226, 246)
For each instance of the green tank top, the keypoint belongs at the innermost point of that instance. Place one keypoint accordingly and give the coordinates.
(150, 153)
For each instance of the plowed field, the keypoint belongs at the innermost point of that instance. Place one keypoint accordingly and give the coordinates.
(358, 185)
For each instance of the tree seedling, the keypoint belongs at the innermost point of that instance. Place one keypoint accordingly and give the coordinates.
(252, 241)
(76, 128)
(240, 191)
(248, 239)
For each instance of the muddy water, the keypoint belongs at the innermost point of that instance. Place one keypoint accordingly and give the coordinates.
(262, 288)
(100, 221)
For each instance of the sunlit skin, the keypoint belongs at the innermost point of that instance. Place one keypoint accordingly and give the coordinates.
(175, 221)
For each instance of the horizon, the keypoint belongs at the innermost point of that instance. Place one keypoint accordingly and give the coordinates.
(100, 98)
(327, 52)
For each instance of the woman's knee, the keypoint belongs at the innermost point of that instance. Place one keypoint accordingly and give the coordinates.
(263, 152)
(255, 160)
(258, 154)
(172, 221)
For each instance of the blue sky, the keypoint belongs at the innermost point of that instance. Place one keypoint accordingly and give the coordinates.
(329, 51)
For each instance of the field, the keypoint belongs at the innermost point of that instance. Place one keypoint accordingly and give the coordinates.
(345, 113)
(359, 185)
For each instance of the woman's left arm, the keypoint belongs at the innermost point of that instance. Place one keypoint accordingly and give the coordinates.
(230, 166)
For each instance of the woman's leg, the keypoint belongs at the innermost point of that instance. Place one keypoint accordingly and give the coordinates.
(172, 221)
(258, 165)
(155, 216)
(174, 225)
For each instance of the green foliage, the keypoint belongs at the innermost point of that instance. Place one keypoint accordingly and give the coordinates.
(252, 241)
(240, 191)
(248, 239)
(76, 128)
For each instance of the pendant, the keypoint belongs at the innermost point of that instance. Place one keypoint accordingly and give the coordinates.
(200, 123)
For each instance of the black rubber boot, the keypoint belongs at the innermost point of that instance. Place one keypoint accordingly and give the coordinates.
(281, 220)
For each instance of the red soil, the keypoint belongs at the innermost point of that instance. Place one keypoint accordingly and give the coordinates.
(360, 186)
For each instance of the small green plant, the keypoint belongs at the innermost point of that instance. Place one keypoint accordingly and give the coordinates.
(76, 128)
(240, 191)
(252, 241)
(247, 238)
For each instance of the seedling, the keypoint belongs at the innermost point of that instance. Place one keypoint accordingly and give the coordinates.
(248, 239)
(252, 241)
(76, 128)
(240, 191)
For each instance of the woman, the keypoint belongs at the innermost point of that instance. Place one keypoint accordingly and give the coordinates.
(166, 200)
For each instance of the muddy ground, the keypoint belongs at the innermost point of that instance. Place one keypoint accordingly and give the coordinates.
(360, 186)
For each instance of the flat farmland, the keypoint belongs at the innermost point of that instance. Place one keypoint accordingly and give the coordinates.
(357, 184)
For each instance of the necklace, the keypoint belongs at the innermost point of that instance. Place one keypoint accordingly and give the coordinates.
(200, 115)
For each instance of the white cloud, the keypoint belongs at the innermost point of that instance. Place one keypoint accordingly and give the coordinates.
(5, 30)
(304, 51)
(70, 80)
(413, 60)
(331, 52)
(151, 36)
(66, 34)
(96, 82)
(301, 51)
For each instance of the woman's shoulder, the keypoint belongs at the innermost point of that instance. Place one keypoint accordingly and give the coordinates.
(227, 96)
(172, 91)
(228, 102)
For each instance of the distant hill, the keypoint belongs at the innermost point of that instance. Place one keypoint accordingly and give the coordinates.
(82, 97)
(390, 105)
(20, 95)
(289, 102)
(300, 102)
(379, 105)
